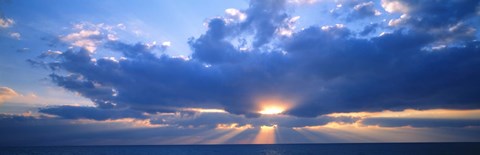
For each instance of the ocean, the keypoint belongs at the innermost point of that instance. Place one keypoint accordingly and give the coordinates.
(247, 149)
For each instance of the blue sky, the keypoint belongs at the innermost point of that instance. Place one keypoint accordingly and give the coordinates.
(259, 71)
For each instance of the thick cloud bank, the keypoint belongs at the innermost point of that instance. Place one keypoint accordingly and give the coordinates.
(424, 60)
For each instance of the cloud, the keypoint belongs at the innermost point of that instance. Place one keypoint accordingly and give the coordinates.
(436, 17)
(390, 71)
(29, 130)
(432, 118)
(302, 1)
(22, 50)
(254, 57)
(394, 6)
(318, 70)
(50, 53)
(121, 26)
(6, 22)
(419, 123)
(371, 28)
(212, 120)
(15, 35)
(85, 39)
(25, 130)
(235, 15)
(191, 119)
(166, 44)
(366, 9)
(89, 36)
(75, 112)
(6, 93)
(355, 10)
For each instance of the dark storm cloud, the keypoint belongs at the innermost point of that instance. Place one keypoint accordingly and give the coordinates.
(387, 72)
(321, 69)
(73, 112)
(141, 81)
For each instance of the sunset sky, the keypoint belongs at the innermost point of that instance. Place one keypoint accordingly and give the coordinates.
(89, 72)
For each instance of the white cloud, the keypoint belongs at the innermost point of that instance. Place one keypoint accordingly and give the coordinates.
(395, 22)
(185, 58)
(15, 35)
(90, 45)
(394, 6)
(6, 22)
(112, 37)
(81, 35)
(370, 4)
(89, 35)
(151, 45)
(290, 26)
(302, 1)
(121, 26)
(50, 53)
(361, 5)
(328, 27)
(166, 44)
(84, 38)
(235, 15)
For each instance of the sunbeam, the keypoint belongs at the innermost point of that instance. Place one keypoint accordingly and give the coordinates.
(266, 135)
(232, 130)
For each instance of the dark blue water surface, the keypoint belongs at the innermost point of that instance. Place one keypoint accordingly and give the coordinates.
(322, 149)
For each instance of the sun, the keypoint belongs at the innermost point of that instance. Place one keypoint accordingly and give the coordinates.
(272, 110)
(273, 105)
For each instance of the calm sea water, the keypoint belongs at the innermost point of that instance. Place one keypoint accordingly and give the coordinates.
(321, 149)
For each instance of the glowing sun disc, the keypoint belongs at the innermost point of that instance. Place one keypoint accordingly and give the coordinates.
(271, 111)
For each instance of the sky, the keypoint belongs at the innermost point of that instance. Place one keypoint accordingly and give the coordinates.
(124, 72)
